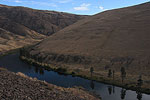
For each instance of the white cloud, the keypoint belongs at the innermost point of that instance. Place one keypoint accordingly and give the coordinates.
(17, 1)
(101, 7)
(42, 3)
(82, 7)
(32, 2)
(64, 1)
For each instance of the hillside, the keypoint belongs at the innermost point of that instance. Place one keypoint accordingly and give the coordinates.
(29, 25)
(20, 87)
(108, 40)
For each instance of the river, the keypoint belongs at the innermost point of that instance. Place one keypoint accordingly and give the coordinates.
(107, 92)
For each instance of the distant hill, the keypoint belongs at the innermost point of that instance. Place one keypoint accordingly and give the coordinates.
(108, 40)
(30, 24)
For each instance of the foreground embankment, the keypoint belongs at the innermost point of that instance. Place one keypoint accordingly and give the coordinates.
(19, 86)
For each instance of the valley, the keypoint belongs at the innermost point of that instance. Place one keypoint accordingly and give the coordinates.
(20, 26)
(88, 57)
(105, 41)
(105, 91)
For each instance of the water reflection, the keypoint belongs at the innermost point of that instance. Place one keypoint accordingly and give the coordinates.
(39, 70)
(113, 89)
(36, 69)
(92, 85)
(123, 93)
(109, 90)
(29, 67)
(139, 85)
(139, 95)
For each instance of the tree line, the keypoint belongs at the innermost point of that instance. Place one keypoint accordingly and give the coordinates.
(123, 74)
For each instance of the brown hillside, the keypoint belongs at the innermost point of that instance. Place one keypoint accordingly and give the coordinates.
(20, 26)
(41, 21)
(110, 39)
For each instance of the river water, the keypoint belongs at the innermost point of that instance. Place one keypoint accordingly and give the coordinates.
(107, 92)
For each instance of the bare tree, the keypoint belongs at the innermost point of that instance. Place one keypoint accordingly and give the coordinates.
(109, 73)
(123, 93)
(91, 70)
(139, 85)
(123, 74)
(113, 74)
(140, 81)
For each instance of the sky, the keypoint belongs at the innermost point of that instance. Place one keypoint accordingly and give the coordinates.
(82, 7)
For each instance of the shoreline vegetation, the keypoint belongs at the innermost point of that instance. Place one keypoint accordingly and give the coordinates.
(2, 54)
(79, 73)
(80, 89)
(9, 52)
(65, 71)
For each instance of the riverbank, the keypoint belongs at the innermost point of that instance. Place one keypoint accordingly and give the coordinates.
(2, 54)
(128, 84)
(20, 86)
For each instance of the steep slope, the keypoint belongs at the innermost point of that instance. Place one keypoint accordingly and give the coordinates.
(9, 40)
(108, 40)
(28, 25)
(42, 21)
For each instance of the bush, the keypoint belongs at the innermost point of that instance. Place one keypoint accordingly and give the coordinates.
(73, 73)
(61, 70)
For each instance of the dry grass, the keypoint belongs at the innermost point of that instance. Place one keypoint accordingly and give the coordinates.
(130, 81)
(108, 40)
(20, 26)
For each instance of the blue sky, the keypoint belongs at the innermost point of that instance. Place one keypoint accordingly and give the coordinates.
(84, 7)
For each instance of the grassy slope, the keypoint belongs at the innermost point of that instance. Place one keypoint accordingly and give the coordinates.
(20, 26)
(109, 40)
